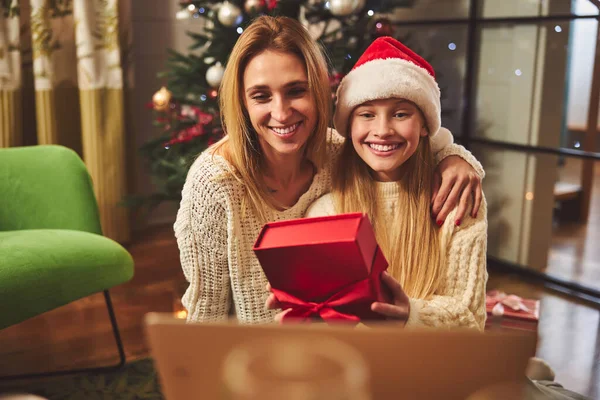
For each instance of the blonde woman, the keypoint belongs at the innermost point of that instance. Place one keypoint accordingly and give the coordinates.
(274, 162)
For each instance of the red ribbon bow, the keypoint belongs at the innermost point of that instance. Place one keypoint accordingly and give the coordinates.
(499, 299)
(353, 294)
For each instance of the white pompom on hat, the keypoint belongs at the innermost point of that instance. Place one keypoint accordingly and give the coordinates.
(389, 69)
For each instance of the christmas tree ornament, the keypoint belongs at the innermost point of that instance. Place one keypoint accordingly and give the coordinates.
(183, 14)
(272, 4)
(229, 14)
(383, 27)
(343, 8)
(214, 75)
(255, 6)
(213, 93)
(162, 99)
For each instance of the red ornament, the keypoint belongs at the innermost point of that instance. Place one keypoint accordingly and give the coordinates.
(213, 93)
(383, 27)
(271, 4)
(335, 79)
(199, 129)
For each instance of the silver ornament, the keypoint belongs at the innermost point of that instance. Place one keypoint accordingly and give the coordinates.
(229, 14)
(343, 8)
(214, 75)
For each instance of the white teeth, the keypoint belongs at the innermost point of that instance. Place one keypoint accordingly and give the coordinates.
(287, 130)
(384, 147)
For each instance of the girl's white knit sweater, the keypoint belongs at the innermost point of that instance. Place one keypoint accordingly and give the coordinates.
(215, 241)
(460, 300)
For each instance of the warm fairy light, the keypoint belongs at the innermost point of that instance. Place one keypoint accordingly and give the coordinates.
(181, 314)
(529, 195)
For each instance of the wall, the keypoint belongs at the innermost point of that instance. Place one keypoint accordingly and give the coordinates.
(154, 29)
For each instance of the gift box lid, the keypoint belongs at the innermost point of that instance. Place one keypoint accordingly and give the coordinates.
(313, 257)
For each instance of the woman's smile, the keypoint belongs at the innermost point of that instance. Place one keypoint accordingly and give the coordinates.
(286, 131)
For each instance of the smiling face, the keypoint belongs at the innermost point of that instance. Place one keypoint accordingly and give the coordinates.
(279, 102)
(385, 133)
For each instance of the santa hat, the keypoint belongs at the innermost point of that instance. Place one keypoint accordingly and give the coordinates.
(389, 69)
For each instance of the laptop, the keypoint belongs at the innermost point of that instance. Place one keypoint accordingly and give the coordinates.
(222, 360)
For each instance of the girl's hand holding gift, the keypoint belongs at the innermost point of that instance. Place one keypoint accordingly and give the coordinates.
(399, 309)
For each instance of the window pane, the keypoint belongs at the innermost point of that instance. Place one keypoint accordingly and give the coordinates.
(533, 83)
(536, 213)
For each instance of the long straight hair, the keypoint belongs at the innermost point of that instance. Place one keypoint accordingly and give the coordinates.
(240, 146)
(411, 242)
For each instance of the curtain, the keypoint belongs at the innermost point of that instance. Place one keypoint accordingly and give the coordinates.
(78, 81)
(10, 77)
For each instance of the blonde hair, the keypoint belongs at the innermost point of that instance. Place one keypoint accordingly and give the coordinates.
(412, 242)
(240, 146)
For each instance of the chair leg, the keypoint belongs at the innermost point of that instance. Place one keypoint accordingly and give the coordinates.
(109, 368)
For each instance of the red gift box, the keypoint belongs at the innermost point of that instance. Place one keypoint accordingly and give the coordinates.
(328, 267)
(510, 311)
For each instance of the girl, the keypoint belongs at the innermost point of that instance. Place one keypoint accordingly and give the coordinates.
(388, 108)
(274, 162)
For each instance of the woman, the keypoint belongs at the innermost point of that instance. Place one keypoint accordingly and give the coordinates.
(273, 163)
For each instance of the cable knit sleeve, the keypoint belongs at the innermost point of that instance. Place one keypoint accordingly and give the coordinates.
(201, 232)
(460, 301)
(458, 150)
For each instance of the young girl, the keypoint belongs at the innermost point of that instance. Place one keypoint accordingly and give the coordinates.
(388, 108)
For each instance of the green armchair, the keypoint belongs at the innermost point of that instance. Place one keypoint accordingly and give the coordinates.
(52, 251)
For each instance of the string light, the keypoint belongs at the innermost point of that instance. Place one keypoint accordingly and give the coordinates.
(203, 97)
(529, 196)
(452, 46)
(558, 29)
(370, 13)
(240, 30)
(518, 72)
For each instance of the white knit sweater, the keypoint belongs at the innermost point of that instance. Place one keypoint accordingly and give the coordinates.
(460, 300)
(215, 242)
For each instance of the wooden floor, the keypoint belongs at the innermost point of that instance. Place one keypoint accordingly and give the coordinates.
(79, 335)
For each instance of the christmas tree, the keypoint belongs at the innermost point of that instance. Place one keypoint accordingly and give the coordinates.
(186, 110)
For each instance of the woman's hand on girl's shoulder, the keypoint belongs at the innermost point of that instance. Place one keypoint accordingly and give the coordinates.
(399, 309)
(455, 183)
